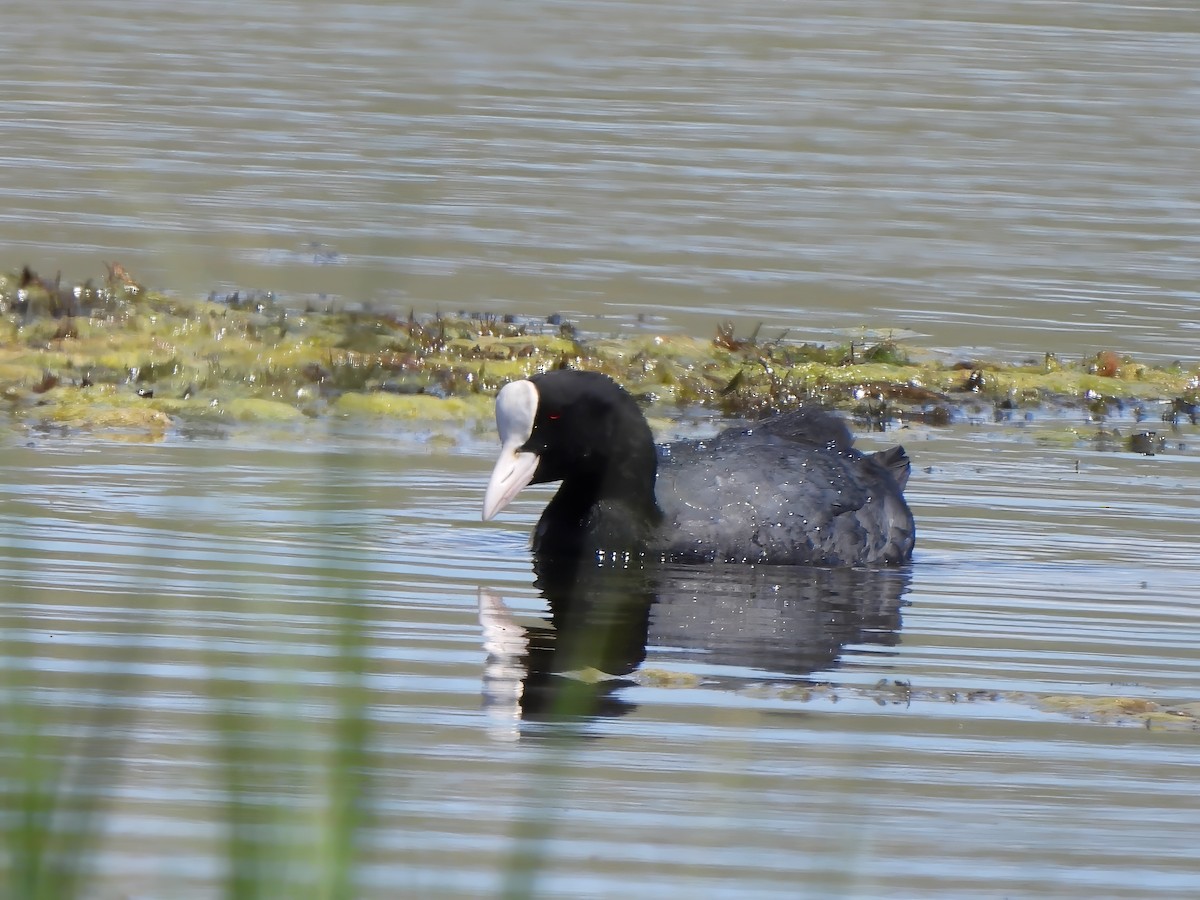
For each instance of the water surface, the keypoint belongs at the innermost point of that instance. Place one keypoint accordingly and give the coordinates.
(204, 620)
(894, 740)
(1016, 176)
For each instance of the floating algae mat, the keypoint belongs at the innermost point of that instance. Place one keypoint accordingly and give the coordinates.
(112, 355)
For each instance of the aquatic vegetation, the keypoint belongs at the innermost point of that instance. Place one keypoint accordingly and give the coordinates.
(1112, 711)
(111, 355)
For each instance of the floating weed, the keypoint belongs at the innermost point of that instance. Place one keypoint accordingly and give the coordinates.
(1113, 711)
(117, 331)
(888, 352)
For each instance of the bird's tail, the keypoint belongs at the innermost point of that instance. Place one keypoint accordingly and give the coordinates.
(896, 461)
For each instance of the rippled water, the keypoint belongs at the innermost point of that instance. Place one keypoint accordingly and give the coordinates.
(768, 733)
(187, 618)
(1014, 175)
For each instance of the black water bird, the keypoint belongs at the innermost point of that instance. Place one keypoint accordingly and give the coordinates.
(789, 490)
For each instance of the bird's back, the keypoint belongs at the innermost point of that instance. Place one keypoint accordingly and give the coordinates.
(792, 490)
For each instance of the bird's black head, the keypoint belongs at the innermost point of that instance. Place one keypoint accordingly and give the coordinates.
(580, 428)
(588, 427)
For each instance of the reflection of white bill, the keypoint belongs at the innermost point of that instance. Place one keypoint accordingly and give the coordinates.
(506, 644)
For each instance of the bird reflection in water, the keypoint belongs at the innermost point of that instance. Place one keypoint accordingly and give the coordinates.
(781, 621)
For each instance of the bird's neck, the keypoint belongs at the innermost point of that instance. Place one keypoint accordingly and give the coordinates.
(609, 510)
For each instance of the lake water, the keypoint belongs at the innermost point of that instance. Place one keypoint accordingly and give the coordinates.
(934, 731)
(202, 622)
(1016, 176)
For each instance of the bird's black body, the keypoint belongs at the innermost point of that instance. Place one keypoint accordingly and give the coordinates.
(790, 490)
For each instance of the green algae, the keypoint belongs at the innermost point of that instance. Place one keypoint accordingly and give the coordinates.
(1123, 711)
(99, 354)
(666, 678)
(410, 406)
(1126, 711)
(96, 414)
(256, 409)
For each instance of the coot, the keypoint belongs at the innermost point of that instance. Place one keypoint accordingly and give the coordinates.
(789, 490)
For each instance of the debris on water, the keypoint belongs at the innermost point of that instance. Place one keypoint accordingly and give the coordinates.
(892, 691)
(187, 358)
(1107, 364)
(665, 678)
(48, 381)
(1147, 443)
(1183, 408)
(1123, 711)
(897, 692)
